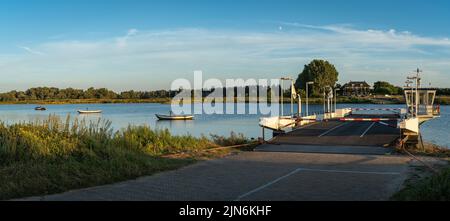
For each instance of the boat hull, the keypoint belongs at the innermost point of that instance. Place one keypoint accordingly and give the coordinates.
(90, 112)
(177, 117)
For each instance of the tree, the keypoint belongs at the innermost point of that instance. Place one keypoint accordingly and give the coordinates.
(321, 72)
(383, 87)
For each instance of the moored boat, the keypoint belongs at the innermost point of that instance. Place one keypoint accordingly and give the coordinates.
(89, 111)
(174, 117)
(40, 108)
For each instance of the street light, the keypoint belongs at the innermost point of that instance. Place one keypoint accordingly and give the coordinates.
(307, 105)
(326, 100)
(335, 98)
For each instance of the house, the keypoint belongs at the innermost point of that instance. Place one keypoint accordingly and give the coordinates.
(356, 88)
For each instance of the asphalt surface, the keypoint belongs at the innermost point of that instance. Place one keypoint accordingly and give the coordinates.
(262, 176)
(337, 133)
(352, 167)
(365, 150)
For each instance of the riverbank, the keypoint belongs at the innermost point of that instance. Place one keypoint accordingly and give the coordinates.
(52, 156)
(443, 100)
(425, 184)
(88, 101)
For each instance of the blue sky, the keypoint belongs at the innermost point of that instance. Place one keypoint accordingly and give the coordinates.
(145, 45)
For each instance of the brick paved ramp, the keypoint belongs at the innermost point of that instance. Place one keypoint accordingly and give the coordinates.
(262, 176)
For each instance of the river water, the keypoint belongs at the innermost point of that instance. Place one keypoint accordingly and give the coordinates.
(122, 115)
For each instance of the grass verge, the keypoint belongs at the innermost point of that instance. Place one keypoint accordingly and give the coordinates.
(435, 187)
(52, 156)
(423, 184)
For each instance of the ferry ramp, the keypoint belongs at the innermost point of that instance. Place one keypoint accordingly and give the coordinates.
(344, 133)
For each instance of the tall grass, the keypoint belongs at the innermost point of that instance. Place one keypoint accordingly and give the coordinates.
(56, 155)
(434, 188)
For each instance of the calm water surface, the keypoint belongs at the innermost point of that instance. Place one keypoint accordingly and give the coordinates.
(122, 115)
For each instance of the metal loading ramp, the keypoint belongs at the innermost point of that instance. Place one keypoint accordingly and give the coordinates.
(353, 130)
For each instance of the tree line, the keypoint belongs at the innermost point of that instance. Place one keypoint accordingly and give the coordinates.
(52, 93)
(322, 73)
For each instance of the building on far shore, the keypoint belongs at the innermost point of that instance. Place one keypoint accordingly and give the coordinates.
(356, 88)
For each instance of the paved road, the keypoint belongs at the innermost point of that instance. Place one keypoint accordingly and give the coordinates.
(337, 133)
(263, 176)
(359, 171)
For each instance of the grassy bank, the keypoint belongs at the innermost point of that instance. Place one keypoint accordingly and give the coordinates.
(443, 100)
(51, 156)
(432, 188)
(423, 184)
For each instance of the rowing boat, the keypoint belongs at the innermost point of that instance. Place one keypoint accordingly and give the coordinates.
(89, 111)
(174, 117)
(40, 108)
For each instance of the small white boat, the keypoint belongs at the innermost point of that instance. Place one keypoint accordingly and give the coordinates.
(89, 111)
(40, 108)
(174, 117)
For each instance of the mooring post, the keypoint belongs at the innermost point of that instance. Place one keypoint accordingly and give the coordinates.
(263, 134)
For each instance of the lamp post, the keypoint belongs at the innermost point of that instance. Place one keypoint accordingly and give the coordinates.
(335, 98)
(324, 104)
(327, 101)
(307, 95)
(409, 96)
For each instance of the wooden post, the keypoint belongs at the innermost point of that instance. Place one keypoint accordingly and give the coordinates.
(263, 134)
(299, 106)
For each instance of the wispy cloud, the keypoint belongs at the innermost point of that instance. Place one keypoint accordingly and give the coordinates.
(152, 59)
(31, 51)
(122, 41)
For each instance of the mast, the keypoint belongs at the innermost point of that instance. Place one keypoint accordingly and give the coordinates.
(417, 90)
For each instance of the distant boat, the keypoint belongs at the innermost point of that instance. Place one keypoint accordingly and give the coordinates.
(174, 117)
(40, 108)
(89, 111)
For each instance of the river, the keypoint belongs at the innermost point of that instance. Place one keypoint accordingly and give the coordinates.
(122, 115)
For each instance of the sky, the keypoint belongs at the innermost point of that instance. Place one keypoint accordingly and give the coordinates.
(146, 45)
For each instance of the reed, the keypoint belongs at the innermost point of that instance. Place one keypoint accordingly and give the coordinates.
(56, 155)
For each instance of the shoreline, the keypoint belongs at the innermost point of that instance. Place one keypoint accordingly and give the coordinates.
(168, 101)
(442, 100)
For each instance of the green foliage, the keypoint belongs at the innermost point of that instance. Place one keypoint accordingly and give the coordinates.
(321, 72)
(434, 188)
(383, 88)
(234, 139)
(50, 156)
(443, 91)
(443, 100)
(51, 93)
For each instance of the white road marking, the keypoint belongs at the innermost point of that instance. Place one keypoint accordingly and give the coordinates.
(367, 130)
(382, 123)
(306, 126)
(332, 129)
(267, 185)
(310, 170)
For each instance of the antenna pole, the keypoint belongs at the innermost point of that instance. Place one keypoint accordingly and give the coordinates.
(417, 91)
